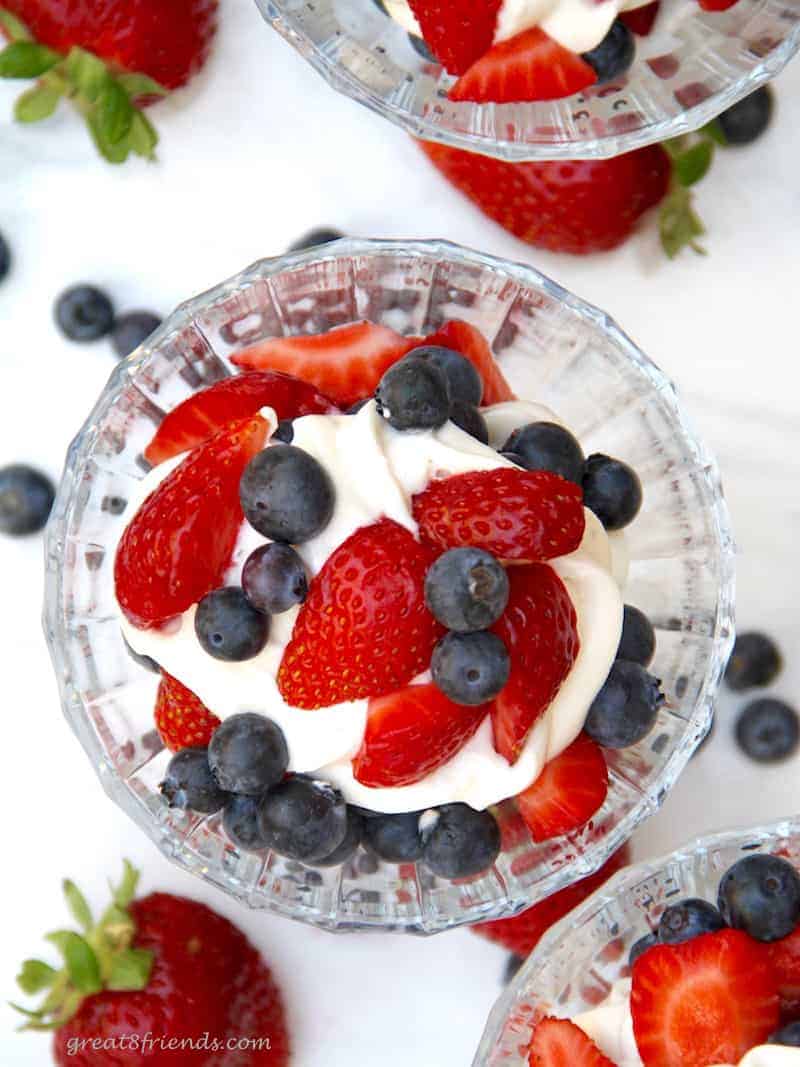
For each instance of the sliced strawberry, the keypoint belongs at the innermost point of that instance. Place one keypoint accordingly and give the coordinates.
(345, 363)
(640, 20)
(363, 630)
(530, 66)
(716, 5)
(458, 32)
(410, 733)
(568, 792)
(540, 630)
(560, 1043)
(512, 513)
(784, 957)
(182, 719)
(203, 414)
(470, 342)
(708, 1000)
(179, 543)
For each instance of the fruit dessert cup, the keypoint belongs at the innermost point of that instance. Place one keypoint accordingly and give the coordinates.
(564, 80)
(314, 630)
(686, 961)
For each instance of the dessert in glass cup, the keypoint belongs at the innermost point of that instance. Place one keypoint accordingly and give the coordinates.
(338, 577)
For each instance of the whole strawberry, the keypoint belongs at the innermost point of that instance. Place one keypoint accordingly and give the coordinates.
(160, 980)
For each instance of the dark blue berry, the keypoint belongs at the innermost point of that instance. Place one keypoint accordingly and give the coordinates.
(242, 822)
(638, 948)
(546, 446)
(84, 313)
(189, 783)
(470, 420)
(394, 838)
(286, 494)
(147, 662)
(414, 394)
(755, 662)
(768, 730)
(613, 56)
(612, 490)
(322, 235)
(228, 626)
(274, 578)
(687, 919)
(419, 46)
(625, 709)
(760, 894)
(284, 432)
(5, 257)
(303, 818)
(466, 589)
(461, 842)
(512, 457)
(638, 641)
(131, 330)
(465, 383)
(470, 668)
(788, 1036)
(513, 964)
(248, 753)
(26, 500)
(744, 122)
(350, 842)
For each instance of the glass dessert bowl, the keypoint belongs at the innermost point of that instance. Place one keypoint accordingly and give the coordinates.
(554, 350)
(689, 67)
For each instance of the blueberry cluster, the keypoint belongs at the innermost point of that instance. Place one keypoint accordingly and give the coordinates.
(26, 499)
(767, 729)
(86, 313)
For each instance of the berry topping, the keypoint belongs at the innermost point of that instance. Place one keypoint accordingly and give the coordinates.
(182, 719)
(470, 420)
(470, 342)
(189, 783)
(625, 709)
(462, 375)
(5, 257)
(706, 1001)
(84, 313)
(372, 585)
(760, 894)
(569, 791)
(228, 627)
(638, 948)
(546, 446)
(514, 514)
(286, 495)
(457, 32)
(540, 630)
(612, 490)
(466, 589)
(788, 1036)
(414, 394)
(768, 730)
(687, 919)
(394, 838)
(26, 500)
(303, 819)
(746, 120)
(614, 55)
(470, 668)
(410, 733)
(756, 661)
(349, 843)
(284, 432)
(179, 544)
(637, 644)
(322, 235)
(248, 754)
(241, 820)
(274, 578)
(131, 330)
(560, 1043)
(461, 842)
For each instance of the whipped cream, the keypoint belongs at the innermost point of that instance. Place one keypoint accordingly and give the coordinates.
(376, 471)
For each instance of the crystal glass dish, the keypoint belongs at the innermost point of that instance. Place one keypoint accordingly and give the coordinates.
(693, 65)
(554, 348)
(575, 964)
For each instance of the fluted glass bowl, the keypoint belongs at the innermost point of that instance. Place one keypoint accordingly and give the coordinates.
(555, 349)
(574, 966)
(693, 65)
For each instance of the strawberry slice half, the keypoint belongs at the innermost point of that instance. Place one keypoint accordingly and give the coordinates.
(568, 792)
(784, 957)
(716, 5)
(470, 342)
(560, 1043)
(345, 363)
(540, 630)
(458, 32)
(708, 1000)
(203, 414)
(410, 733)
(178, 545)
(640, 20)
(182, 719)
(529, 66)
(512, 513)
(363, 630)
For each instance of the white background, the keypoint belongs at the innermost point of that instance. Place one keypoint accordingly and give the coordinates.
(255, 153)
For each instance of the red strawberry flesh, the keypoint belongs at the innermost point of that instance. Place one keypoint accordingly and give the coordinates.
(458, 32)
(182, 719)
(560, 1043)
(569, 791)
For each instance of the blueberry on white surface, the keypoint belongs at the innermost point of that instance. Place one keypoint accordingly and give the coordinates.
(612, 490)
(84, 313)
(286, 495)
(248, 753)
(768, 730)
(546, 446)
(466, 589)
(228, 627)
(461, 842)
(414, 394)
(746, 120)
(5, 257)
(189, 783)
(755, 662)
(760, 894)
(274, 578)
(26, 500)
(625, 709)
(321, 235)
(131, 329)
(470, 668)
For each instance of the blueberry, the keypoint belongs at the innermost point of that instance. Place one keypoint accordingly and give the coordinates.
(322, 235)
(419, 46)
(613, 56)
(286, 494)
(242, 822)
(248, 753)
(638, 948)
(546, 446)
(612, 490)
(788, 1035)
(760, 894)
(747, 120)
(189, 783)
(5, 257)
(512, 457)
(303, 819)
(284, 432)
(147, 662)
(470, 420)
(461, 842)
(395, 838)
(768, 730)
(466, 589)
(350, 842)
(84, 313)
(228, 627)
(513, 964)
(465, 383)
(470, 668)
(131, 329)
(414, 394)
(755, 662)
(274, 578)
(26, 500)
(625, 709)
(638, 641)
(687, 919)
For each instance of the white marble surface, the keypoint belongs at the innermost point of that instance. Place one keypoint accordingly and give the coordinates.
(258, 151)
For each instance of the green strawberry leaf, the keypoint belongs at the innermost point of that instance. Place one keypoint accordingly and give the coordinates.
(14, 28)
(114, 112)
(76, 902)
(113, 153)
(130, 970)
(37, 103)
(136, 85)
(81, 962)
(692, 165)
(87, 73)
(35, 976)
(26, 59)
(126, 890)
(143, 136)
(679, 224)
